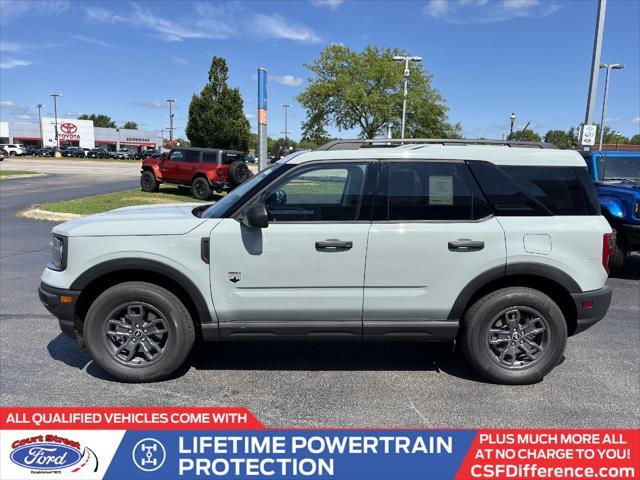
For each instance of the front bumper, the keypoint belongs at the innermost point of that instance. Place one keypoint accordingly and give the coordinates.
(51, 298)
(632, 235)
(591, 306)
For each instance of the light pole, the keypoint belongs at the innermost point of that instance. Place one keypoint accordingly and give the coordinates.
(170, 102)
(609, 67)
(39, 107)
(406, 59)
(55, 114)
(513, 120)
(286, 124)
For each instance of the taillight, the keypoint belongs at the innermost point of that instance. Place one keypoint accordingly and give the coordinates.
(223, 174)
(607, 248)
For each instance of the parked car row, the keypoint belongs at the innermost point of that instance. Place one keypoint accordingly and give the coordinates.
(20, 150)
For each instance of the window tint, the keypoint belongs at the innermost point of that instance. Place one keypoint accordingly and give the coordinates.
(557, 188)
(177, 155)
(530, 190)
(191, 156)
(229, 157)
(427, 191)
(618, 168)
(210, 157)
(327, 192)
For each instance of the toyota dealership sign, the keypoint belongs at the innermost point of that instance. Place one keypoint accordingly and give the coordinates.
(69, 130)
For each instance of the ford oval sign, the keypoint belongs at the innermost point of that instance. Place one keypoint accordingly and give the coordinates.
(68, 127)
(46, 456)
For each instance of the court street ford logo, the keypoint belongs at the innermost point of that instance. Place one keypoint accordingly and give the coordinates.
(45, 456)
(68, 127)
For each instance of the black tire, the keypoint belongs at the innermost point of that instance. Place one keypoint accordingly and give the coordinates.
(239, 172)
(483, 337)
(148, 182)
(12, 154)
(175, 344)
(200, 189)
(618, 253)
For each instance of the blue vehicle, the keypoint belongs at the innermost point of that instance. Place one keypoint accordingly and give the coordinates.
(617, 179)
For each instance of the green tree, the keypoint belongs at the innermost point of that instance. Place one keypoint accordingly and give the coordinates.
(364, 90)
(130, 125)
(216, 116)
(525, 136)
(99, 120)
(560, 138)
(635, 140)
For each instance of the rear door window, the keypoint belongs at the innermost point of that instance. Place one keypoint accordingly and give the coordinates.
(191, 156)
(427, 191)
(210, 157)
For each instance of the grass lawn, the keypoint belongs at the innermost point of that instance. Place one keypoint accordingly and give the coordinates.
(127, 198)
(11, 173)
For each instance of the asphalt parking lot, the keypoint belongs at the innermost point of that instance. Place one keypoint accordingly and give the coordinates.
(298, 384)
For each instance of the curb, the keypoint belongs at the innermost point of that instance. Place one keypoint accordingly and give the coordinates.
(36, 214)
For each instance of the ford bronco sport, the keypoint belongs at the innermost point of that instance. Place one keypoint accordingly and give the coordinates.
(492, 244)
(202, 169)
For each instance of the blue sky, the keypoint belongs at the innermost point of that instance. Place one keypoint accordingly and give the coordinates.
(488, 57)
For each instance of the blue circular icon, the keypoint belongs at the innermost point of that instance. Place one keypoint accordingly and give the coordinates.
(149, 454)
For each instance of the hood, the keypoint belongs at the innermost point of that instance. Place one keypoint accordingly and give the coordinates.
(168, 219)
(628, 186)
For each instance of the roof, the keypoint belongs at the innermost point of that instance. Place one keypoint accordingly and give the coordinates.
(498, 154)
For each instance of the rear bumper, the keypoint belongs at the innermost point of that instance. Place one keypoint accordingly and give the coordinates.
(591, 306)
(632, 235)
(221, 185)
(64, 312)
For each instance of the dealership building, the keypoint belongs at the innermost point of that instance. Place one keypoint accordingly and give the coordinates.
(78, 133)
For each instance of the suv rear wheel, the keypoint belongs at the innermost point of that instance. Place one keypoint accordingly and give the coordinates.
(514, 335)
(138, 332)
(201, 189)
(238, 172)
(148, 182)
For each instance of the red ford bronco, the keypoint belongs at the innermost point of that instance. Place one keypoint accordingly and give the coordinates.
(203, 170)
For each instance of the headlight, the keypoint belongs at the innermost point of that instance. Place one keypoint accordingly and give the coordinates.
(58, 257)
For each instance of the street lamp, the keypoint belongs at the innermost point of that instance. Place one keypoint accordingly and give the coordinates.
(39, 107)
(170, 102)
(55, 114)
(513, 120)
(286, 131)
(406, 59)
(609, 67)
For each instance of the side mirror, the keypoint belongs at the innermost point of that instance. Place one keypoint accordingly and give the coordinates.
(279, 197)
(256, 216)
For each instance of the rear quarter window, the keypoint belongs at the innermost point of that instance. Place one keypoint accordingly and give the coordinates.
(536, 191)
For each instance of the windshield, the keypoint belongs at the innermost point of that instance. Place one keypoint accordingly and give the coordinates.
(619, 168)
(221, 206)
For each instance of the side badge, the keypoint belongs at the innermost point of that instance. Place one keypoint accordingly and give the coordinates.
(234, 277)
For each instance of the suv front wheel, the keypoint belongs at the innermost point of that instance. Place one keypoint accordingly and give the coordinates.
(138, 332)
(148, 182)
(514, 335)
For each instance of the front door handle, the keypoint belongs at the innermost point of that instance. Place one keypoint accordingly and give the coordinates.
(464, 245)
(334, 245)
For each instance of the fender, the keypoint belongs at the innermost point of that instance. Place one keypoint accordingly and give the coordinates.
(151, 266)
(512, 269)
(613, 207)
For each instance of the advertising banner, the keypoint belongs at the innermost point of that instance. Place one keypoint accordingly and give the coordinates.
(167, 443)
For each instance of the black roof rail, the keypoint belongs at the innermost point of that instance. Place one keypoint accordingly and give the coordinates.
(356, 144)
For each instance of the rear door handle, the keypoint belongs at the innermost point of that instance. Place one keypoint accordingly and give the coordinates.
(464, 245)
(334, 245)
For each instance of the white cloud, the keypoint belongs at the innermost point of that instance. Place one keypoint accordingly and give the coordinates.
(250, 116)
(206, 21)
(149, 104)
(93, 41)
(276, 26)
(12, 9)
(23, 116)
(7, 63)
(332, 4)
(7, 104)
(14, 47)
(287, 80)
(179, 60)
(18, 112)
(484, 11)
(635, 119)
